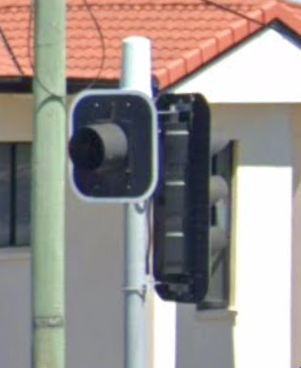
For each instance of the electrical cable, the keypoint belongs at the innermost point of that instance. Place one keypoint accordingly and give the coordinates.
(149, 240)
(237, 13)
(102, 44)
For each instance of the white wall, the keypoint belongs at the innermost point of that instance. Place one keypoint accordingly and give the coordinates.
(263, 73)
(94, 285)
(261, 334)
(263, 69)
(14, 309)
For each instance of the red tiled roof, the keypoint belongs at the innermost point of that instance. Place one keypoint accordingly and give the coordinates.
(186, 34)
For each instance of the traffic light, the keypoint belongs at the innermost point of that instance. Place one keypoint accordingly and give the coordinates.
(184, 198)
(181, 205)
(222, 168)
(219, 188)
(113, 146)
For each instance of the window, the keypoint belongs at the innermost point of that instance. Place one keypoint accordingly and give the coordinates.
(218, 296)
(15, 194)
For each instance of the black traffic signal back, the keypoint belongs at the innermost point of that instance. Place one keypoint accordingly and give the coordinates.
(182, 203)
(113, 145)
(190, 189)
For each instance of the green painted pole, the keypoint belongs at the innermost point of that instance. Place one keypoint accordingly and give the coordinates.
(48, 186)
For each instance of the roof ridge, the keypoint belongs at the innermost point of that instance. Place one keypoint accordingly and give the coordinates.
(225, 39)
(290, 3)
(289, 19)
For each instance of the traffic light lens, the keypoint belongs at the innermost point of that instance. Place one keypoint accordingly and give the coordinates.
(86, 149)
(99, 146)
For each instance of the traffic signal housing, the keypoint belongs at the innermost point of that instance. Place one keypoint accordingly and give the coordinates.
(185, 196)
(223, 167)
(181, 206)
(113, 146)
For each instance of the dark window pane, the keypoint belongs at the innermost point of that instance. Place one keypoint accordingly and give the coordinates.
(22, 174)
(5, 178)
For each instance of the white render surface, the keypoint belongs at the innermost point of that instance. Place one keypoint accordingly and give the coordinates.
(264, 69)
(260, 333)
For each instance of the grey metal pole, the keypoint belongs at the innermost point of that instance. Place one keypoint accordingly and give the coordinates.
(136, 75)
(48, 186)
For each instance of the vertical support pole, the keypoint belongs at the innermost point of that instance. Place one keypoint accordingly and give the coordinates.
(48, 186)
(136, 75)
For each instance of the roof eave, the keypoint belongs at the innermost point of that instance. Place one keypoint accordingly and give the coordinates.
(269, 16)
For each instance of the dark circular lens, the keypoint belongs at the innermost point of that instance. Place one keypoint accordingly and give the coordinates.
(86, 149)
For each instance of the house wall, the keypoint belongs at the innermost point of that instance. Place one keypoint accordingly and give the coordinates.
(94, 245)
(261, 72)
(262, 69)
(257, 329)
(260, 334)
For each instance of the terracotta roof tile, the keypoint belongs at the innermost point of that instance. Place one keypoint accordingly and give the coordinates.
(186, 34)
